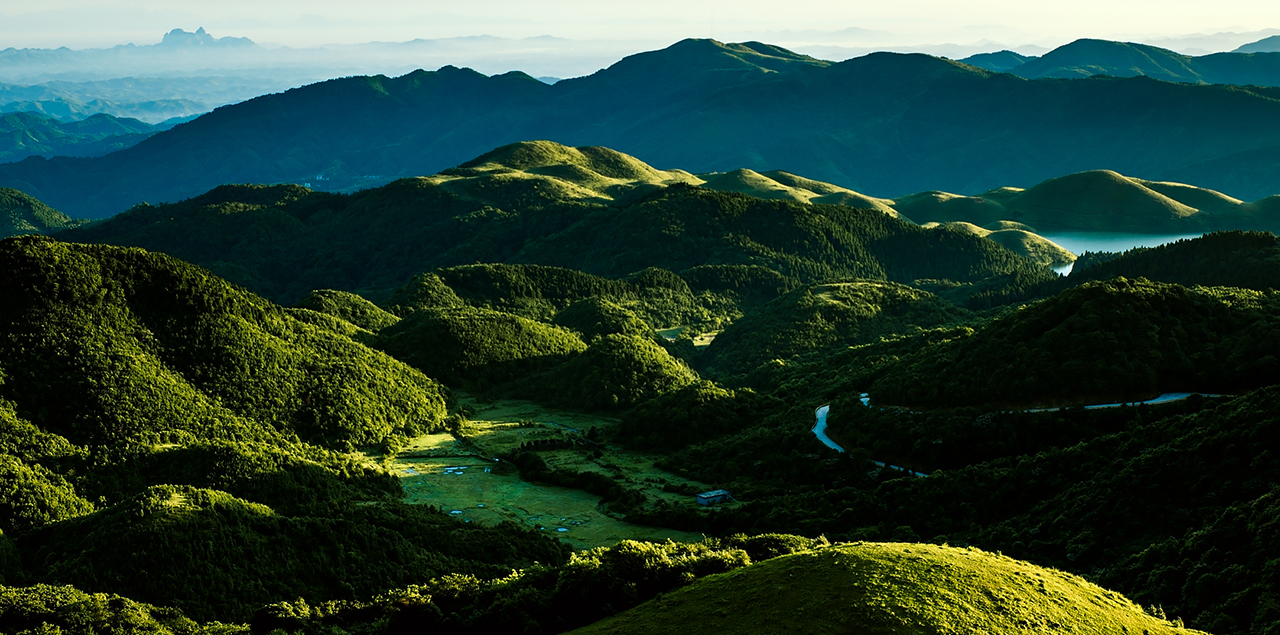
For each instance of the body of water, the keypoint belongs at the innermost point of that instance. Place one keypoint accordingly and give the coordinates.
(1080, 242)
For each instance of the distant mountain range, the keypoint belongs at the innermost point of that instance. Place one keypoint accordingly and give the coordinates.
(1265, 45)
(188, 54)
(885, 124)
(154, 99)
(1256, 64)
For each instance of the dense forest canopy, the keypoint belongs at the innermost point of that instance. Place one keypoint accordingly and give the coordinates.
(157, 418)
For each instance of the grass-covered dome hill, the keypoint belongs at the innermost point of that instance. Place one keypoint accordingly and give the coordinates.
(887, 589)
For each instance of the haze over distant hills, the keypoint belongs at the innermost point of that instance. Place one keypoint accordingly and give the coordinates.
(199, 54)
(191, 73)
(151, 99)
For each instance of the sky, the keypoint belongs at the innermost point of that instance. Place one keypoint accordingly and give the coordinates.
(296, 23)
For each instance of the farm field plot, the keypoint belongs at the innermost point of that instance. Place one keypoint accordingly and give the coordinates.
(461, 476)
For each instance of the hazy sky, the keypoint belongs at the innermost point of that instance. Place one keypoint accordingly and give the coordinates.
(97, 23)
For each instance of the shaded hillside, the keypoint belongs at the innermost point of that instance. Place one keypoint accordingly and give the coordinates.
(21, 214)
(27, 134)
(703, 106)
(1101, 342)
(552, 206)
(890, 589)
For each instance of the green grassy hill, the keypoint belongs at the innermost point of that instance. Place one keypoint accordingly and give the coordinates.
(1014, 237)
(889, 589)
(779, 185)
(1096, 201)
(21, 214)
(284, 241)
(1099, 201)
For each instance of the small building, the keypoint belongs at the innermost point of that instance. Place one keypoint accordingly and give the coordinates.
(715, 497)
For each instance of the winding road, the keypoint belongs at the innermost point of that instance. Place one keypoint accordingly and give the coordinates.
(820, 426)
(820, 431)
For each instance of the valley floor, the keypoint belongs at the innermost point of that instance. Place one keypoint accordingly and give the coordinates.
(460, 474)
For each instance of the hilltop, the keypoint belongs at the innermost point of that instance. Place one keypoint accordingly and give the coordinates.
(939, 125)
(1097, 201)
(21, 214)
(589, 209)
(1249, 65)
(887, 588)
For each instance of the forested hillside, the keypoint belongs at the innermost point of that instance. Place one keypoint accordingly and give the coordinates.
(21, 214)
(203, 431)
(27, 134)
(1247, 260)
(169, 437)
(194, 452)
(1101, 342)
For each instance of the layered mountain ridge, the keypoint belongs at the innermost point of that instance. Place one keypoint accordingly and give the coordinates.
(933, 125)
